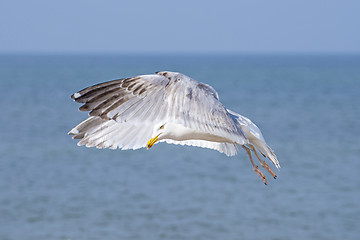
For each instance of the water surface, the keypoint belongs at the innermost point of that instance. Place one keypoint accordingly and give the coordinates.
(306, 106)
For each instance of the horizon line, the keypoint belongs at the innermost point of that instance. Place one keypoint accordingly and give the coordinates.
(177, 53)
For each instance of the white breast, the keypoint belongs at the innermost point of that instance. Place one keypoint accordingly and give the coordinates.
(180, 133)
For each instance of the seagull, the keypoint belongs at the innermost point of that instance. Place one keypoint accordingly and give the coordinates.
(137, 112)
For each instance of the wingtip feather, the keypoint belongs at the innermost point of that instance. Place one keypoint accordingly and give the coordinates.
(75, 96)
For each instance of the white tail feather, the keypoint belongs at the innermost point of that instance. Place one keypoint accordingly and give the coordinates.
(255, 137)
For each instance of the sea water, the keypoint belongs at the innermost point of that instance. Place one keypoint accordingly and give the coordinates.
(307, 106)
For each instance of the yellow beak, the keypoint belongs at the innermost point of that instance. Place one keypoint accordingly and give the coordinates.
(151, 141)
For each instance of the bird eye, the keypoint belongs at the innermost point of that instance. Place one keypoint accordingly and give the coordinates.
(162, 127)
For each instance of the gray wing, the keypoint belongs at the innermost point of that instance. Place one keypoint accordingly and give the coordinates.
(159, 98)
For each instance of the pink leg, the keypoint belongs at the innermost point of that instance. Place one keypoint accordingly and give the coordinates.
(254, 167)
(263, 163)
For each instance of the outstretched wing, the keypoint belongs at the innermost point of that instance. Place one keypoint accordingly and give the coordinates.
(149, 100)
(102, 133)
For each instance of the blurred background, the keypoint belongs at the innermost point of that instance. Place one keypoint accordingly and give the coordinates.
(291, 67)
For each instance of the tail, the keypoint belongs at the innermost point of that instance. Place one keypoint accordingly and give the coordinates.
(255, 137)
(266, 151)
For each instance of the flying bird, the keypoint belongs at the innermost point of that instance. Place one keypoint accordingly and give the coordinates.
(169, 107)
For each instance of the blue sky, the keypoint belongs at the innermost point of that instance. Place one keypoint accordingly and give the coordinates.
(191, 26)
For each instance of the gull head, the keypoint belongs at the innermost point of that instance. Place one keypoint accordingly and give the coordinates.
(158, 131)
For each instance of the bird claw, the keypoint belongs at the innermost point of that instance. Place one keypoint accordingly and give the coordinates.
(267, 168)
(260, 174)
